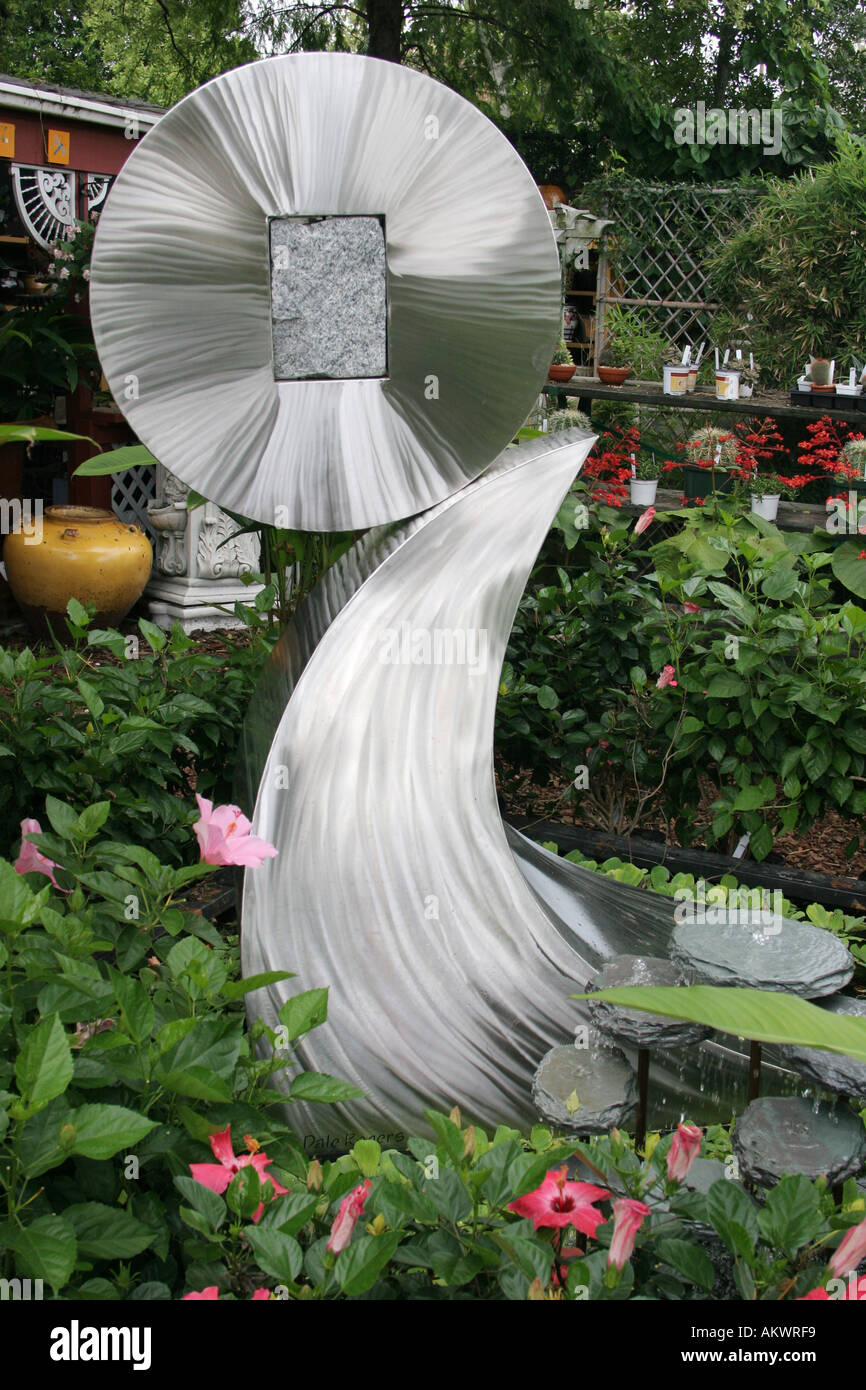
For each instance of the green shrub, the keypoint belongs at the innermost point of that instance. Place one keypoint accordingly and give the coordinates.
(797, 269)
(138, 721)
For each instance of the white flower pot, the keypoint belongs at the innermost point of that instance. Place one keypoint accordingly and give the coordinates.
(745, 390)
(643, 491)
(676, 380)
(767, 506)
(727, 385)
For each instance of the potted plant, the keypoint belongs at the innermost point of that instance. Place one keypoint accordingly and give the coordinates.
(766, 491)
(563, 366)
(712, 454)
(567, 419)
(821, 374)
(612, 370)
(644, 481)
(854, 456)
(749, 374)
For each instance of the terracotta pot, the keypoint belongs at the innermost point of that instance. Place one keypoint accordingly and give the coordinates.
(560, 372)
(83, 553)
(613, 376)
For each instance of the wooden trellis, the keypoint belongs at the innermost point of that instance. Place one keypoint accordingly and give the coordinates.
(655, 255)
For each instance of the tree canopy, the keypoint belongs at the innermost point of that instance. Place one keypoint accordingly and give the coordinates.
(580, 86)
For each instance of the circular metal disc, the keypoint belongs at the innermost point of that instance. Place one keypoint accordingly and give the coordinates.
(181, 300)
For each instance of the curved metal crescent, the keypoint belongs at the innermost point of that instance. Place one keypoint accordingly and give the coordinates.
(181, 303)
(450, 946)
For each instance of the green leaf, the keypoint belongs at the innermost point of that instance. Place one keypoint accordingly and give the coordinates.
(848, 568)
(63, 819)
(153, 635)
(93, 818)
(732, 1214)
(236, 989)
(77, 613)
(791, 1216)
(19, 905)
(244, 1192)
(115, 461)
(318, 1085)
(689, 1260)
(101, 1131)
(761, 841)
(276, 1253)
(107, 1233)
(304, 1011)
(44, 1066)
(46, 1249)
(547, 697)
(209, 1204)
(751, 797)
(359, 1265)
(136, 1005)
(725, 684)
(815, 759)
(366, 1153)
(449, 1134)
(761, 1015)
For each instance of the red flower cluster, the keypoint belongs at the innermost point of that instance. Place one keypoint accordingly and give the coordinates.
(609, 465)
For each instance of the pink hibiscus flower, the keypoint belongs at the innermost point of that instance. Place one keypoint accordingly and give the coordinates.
(850, 1252)
(217, 1176)
(666, 678)
(856, 1291)
(558, 1202)
(683, 1151)
(351, 1209)
(628, 1217)
(223, 833)
(211, 1295)
(644, 520)
(30, 860)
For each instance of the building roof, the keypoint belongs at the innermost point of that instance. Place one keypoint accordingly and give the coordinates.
(50, 98)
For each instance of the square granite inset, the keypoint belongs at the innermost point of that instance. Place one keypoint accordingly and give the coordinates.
(329, 310)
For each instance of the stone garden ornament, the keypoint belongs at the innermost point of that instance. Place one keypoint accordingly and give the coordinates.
(326, 291)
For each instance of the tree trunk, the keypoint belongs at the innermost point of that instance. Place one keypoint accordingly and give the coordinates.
(385, 23)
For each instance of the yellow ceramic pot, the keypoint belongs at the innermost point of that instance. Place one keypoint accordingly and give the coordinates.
(77, 552)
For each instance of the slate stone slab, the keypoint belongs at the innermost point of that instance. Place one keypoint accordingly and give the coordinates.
(634, 1027)
(830, 1070)
(793, 957)
(329, 308)
(785, 1134)
(603, 1079)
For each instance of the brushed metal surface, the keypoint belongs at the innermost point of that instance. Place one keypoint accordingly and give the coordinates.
(180, 292)
(391, 803)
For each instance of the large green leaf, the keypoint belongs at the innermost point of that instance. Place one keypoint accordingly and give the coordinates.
(304, 1011)
(44, 1067)
(46, 1249)
(318, 1085)
(107, 1233)
(115, 461)
(689, 1260)
(848, 568)
(276, 1253)
(761, 1015)
(101, 1131)
(359, 1265)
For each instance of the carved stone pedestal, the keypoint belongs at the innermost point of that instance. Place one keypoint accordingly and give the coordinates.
(198, 561)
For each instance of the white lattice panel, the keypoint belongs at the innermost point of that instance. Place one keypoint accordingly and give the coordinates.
(130, 493)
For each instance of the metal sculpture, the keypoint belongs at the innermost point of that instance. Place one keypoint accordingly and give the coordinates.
(450, 944)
